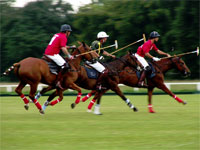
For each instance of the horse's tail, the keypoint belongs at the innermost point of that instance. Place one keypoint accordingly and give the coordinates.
(11, 68)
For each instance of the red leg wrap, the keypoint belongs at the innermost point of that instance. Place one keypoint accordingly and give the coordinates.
(151, 109)
(55, 102)
(26, 101)
(37, 104)
(91, 104)
(86, 97)
(178, 99)
(78, 98)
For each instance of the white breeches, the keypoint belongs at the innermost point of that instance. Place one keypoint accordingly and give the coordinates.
(142, 60)
(57, 59)
(97, 66)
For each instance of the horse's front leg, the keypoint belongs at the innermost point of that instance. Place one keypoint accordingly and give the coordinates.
(117, 90)
(88, 96)
(166, 90)
(97, 107)
(97, 96)
(78, 98)
(150, 107)
(59, 93)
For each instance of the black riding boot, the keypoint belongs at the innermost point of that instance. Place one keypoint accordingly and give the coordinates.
(141, 80)
(102, 77)
(60, 74)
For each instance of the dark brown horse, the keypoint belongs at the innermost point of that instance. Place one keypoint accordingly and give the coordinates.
(33, 71)
(83, 81)
(128, 77)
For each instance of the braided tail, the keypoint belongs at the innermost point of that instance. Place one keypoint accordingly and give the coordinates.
(11, 68)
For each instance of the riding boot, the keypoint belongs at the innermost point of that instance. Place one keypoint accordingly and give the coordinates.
(59, 80)
(102, 77)
(63, 69)
(141, 80)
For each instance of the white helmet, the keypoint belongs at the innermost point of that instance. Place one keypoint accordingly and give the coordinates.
(102, 34)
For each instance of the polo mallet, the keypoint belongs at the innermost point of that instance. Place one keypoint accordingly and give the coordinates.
(143, 39)
(196, 51)
(114, 45)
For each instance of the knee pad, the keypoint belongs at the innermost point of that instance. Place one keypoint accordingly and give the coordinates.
(65, 67)
(148, 70)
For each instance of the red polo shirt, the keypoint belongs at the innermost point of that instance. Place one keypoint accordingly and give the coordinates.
(58, 41)
(146, 47)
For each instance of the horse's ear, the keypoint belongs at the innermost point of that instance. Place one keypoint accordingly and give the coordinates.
(79, 42)
(130, 52)
(83, 44)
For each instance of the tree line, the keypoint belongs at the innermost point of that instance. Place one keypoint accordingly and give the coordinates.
(25, 32)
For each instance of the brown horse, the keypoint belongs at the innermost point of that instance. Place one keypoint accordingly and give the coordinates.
(33, 71)
(83, 81)
(128, 77)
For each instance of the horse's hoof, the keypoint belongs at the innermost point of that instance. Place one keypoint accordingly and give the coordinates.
(98, 113)
(152, 111)
(135, 109)
(73, 105)
(184, 103)
(89, 110)
(41, 111)
(26, 106)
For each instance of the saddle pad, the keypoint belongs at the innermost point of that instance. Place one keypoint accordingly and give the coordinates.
(54, 68)
(92, 73)
(153, 73)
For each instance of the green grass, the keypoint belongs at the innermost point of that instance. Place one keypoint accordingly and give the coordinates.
(173, 127)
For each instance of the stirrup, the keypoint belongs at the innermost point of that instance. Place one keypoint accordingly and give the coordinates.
(142, 84)
(100, 87)
(59, 85)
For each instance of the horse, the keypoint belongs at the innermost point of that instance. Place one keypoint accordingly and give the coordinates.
(33, 71)
(83, 81)
(129, 77)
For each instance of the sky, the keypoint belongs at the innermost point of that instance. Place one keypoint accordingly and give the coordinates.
(75, 3)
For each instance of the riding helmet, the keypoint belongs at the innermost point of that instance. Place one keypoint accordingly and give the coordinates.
(65, 27)
(154, 34)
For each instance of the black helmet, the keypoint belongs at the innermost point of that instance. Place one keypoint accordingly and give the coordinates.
(65, 27)
(154, 34)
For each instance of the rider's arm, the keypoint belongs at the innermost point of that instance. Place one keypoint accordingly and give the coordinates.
(94, 54)
(108, 54)
(148, 55)
(65, 51)
(162, 53)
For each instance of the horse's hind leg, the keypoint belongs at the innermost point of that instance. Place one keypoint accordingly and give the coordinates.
(117, 90)
(150, 107)
(33, 90)
(18, 90)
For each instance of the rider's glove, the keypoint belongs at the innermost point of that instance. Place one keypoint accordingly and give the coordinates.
(101, 58)
(72, 47)
(156, 59)
(70, 56)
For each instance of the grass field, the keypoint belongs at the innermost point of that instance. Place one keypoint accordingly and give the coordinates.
(173, 127)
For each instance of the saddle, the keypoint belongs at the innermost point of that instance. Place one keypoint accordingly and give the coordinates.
(91, 73)
(151, 75)
(54, 68)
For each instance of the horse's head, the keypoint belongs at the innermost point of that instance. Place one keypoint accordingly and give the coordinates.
(131, 60)
(181, 66)
(84, 48)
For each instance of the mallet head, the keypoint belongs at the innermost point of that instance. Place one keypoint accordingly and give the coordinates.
(116, 44)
